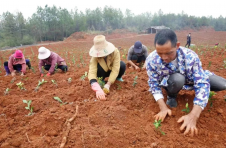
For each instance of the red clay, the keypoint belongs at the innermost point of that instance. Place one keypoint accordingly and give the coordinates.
(124, 120)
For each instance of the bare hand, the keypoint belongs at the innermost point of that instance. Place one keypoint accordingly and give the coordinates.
(13, 74)
(189, 121)
(162, 114)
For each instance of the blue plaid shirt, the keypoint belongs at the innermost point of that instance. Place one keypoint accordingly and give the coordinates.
(188, 65)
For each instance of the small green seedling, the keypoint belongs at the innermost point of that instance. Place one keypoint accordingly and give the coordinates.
(13, 79)
(59, 100)
(187, 109)
(134, 81)
(210, 98)
(39, 84)
(28, 107)
(101, 82)
(118, 86)
(69, 80)
(157, 125)
(6, 92)
(84, 76)
(20, 86)
(54, 82)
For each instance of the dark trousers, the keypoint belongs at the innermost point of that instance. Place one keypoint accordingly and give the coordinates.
(177, 81)
(17, 67)
(103, 74)
(188, 43)
(62, 67)
(138, 59)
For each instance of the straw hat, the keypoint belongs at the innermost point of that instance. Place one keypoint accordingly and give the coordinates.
(101, 47)
(44, 53)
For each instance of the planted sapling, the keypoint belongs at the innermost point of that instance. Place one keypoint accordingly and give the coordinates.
(157, 125)
(118, 86)
(187, 109)
(134, 81)
(210, 98)
(20, 86)
(6, 92)
(54, 82)
(69, 80)
(101, 82)
(39, 84)
(59, 100)
(84, 76)
(28, 107)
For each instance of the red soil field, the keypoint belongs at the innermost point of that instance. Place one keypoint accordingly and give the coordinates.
(125, 119)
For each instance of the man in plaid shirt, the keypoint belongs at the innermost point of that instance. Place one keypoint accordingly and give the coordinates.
(174, 68)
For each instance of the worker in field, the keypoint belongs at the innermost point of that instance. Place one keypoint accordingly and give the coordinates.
(105, 62)
(50, 61)
(16, 63)
(188, 40)
(173, 68)
(137, 55)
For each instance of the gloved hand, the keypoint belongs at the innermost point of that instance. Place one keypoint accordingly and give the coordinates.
(99, 92)
(42, 75)
(106, 88)
(48, 74)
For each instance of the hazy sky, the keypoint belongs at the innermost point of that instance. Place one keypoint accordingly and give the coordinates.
(190, 7)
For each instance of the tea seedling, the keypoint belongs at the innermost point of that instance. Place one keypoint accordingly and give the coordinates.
(69, 80)
(210, 98)
(33, 70)
(6, 92)
(157, 125)
(118, 86)
(20, 86)
(209, 64)
(12, 81)
(84, 76)
(54, 82)
(59, 100)
(28, 107)
(39, 84)
(101, 82)
(134, 81)
(225, 98)
(187, 109)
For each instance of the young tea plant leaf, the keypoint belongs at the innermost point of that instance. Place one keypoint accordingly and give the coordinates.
(135, 81)
(187, 109)
(20, 86)
(59, 100)
(101, 82)
(118, 86)
(39, 84)
(69, 80)
(28, 107)
(211, 98)
(157, 125)
(84, 76)
(54, 82)
(6, 92)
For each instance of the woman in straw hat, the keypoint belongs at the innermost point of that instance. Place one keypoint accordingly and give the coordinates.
(49, 60)
(16, 62)
(105, 62)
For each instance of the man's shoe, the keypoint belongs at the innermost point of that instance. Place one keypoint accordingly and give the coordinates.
(172, 102)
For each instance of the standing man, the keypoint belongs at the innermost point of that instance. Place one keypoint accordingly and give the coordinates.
(174, 68)
(188, 40)
(137, 55)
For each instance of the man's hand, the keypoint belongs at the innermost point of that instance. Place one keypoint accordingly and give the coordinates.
(136, 67)
(190, 120)
(164, 110)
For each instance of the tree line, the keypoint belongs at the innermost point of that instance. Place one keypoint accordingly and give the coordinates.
(53, 24)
